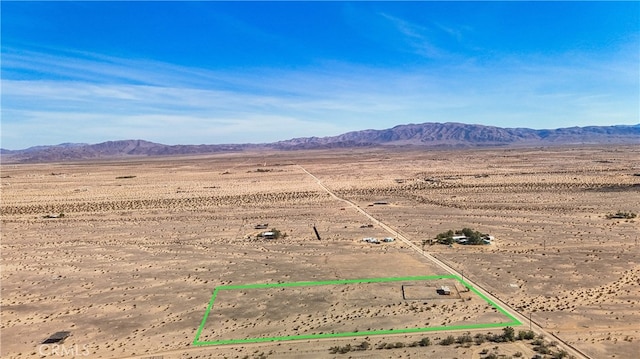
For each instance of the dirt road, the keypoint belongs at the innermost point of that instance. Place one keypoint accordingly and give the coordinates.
(504, 306)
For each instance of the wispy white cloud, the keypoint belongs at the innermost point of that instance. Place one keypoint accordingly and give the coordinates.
(92, 98)
(417, 36)
(432, 40)
(453, 32)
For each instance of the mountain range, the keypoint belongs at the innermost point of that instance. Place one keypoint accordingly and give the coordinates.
(441, 135)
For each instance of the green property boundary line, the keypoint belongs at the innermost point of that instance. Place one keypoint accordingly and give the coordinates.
(513, 321)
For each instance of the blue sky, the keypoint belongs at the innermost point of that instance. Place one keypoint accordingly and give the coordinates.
(238, 72)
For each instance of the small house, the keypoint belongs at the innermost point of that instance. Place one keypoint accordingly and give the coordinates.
(444, 290)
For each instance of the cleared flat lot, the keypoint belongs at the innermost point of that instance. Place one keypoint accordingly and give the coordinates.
(130, 267)
(343, 308)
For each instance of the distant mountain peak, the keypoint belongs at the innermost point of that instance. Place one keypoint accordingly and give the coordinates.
(432, 134)
(453, 134)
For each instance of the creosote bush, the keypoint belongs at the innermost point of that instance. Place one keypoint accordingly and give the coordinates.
(347, 348)
(526, 335)
(448, 340)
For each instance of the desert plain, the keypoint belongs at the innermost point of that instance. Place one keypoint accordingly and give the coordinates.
(125, 253)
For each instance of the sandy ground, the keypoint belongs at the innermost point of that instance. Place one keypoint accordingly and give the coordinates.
(130, 267)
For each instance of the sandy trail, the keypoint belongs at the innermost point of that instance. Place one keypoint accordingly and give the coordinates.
(503, 306)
